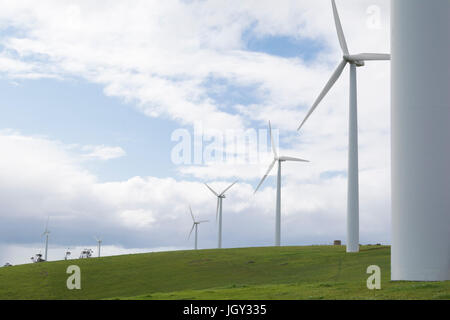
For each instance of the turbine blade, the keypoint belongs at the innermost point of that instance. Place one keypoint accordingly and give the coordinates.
(203, 221)
(211, 190)
(193, 226)
(228, 188)
(46, 225)
(271, 141)
(217, 210)
(192, 215)
(265, 176)
(339, 30)
(337, 73)
(371, 57)
(292, 159)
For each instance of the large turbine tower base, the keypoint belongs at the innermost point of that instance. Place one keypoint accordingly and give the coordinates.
(420, 115)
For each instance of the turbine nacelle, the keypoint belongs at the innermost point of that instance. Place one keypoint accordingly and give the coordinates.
(280, 159)
(360, 59)
(284, 159)
(222, 194)
(353, 59)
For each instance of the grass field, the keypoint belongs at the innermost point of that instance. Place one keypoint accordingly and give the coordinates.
(317, 272)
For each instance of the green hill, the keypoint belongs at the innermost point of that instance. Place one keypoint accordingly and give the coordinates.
(317, 272)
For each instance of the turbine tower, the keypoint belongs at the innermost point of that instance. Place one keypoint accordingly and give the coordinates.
(357, 60)
(46, 233)
(220, 197)
(420, 126)
(195, 226)
(99, 245)
(279, 160)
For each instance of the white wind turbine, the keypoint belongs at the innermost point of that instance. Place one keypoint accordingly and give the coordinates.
(46, 233)
(67, 254)
(195, 226)
(99, 245)
(279, 160)
(357, 60)
(220, 197)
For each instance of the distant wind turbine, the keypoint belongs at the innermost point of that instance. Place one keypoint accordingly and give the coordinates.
(279, 160)
(99, 245)
(357, 60)
(220, 197)
(195, 226)
(46, 233)
(67, 254)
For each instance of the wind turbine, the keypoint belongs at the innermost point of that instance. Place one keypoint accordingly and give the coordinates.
(279, 160)
(46, 233)
(67, 254)
(357, 60)
(99, 245)
(220, 197)
(195, 226)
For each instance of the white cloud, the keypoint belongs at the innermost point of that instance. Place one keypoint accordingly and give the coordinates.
(137, 219)
(103, 152)
(161, 55)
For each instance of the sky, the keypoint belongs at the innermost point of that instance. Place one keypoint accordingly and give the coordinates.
(115, 113)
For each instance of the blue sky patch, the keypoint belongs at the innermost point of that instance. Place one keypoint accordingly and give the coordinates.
(76, 112)
(283, 46)
(333, 174)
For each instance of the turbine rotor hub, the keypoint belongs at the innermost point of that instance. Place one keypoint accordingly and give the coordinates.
(352, 60)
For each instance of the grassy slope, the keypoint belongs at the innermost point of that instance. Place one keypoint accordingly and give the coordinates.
(321, 272)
